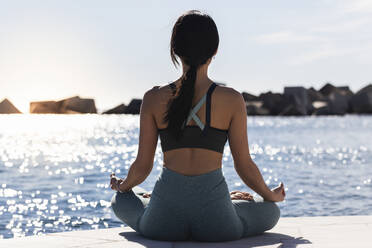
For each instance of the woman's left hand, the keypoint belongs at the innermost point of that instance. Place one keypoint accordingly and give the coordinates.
(115, 182)
(240, 195)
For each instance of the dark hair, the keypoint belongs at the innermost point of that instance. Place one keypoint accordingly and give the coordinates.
(194, 39)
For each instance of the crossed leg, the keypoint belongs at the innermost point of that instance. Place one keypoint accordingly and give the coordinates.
(129, 206)
(257, 216)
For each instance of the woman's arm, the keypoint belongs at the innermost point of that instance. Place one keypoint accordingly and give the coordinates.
(238, 141)
(148, 138)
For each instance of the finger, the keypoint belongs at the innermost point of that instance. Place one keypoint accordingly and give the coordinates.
(249, 197)
(115, 185)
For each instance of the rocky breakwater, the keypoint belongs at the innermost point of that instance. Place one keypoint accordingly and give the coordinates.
(133, 108)
(299, 101)
(294, 101)
(73, 105)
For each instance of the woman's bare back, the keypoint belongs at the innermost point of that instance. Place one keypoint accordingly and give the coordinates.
(195, 161)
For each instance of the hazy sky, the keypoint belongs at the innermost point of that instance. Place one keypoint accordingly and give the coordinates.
(115, 50)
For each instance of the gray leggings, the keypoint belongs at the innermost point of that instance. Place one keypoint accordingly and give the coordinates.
(193, 208)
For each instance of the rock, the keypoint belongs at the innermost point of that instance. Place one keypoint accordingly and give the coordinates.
(292, 106)
(300, 104)
(117, 110)
(361, 102)
(366, 89)
(315, 95)
(322, 111)
(272, 102)
(291, 110)
(45, 107)
(293, 102)
(77, 104)
(133, 107)
(73, 105)
(327, 89)
(255, 108)
(249, 97)
(254, 105)
(338, 99)
(6, 107)
(345, 90)
(338, 102)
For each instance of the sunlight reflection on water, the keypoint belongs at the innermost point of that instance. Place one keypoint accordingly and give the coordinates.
(54, 169)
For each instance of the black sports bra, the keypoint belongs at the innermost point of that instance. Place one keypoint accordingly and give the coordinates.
(200, 136)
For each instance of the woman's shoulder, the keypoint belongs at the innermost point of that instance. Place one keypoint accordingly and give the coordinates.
(157, 91)
(228, 93)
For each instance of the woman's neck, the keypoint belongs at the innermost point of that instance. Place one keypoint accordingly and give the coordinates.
(202, 78)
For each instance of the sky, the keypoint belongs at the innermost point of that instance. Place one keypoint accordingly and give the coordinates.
(114, 51)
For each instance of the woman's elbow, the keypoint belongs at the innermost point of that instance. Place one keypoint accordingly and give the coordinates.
(243, 163)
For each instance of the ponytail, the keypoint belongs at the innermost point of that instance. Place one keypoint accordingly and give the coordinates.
(194, 40)
(180, 106)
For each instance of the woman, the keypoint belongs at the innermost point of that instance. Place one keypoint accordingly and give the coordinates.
(190, 199)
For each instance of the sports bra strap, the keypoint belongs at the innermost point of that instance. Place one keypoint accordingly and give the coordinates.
(208, 108)
(192, 115)
(208, 104)
(194, 111)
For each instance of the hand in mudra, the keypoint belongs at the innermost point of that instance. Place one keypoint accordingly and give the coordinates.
(115, 182)
(278, 193)
(240, 195)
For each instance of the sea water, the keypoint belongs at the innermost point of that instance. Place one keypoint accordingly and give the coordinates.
(54, 169)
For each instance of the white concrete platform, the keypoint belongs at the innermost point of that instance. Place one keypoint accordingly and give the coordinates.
(334, 231)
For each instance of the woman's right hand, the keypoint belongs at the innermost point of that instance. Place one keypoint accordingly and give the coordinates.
(278, 193)
(115, 182)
